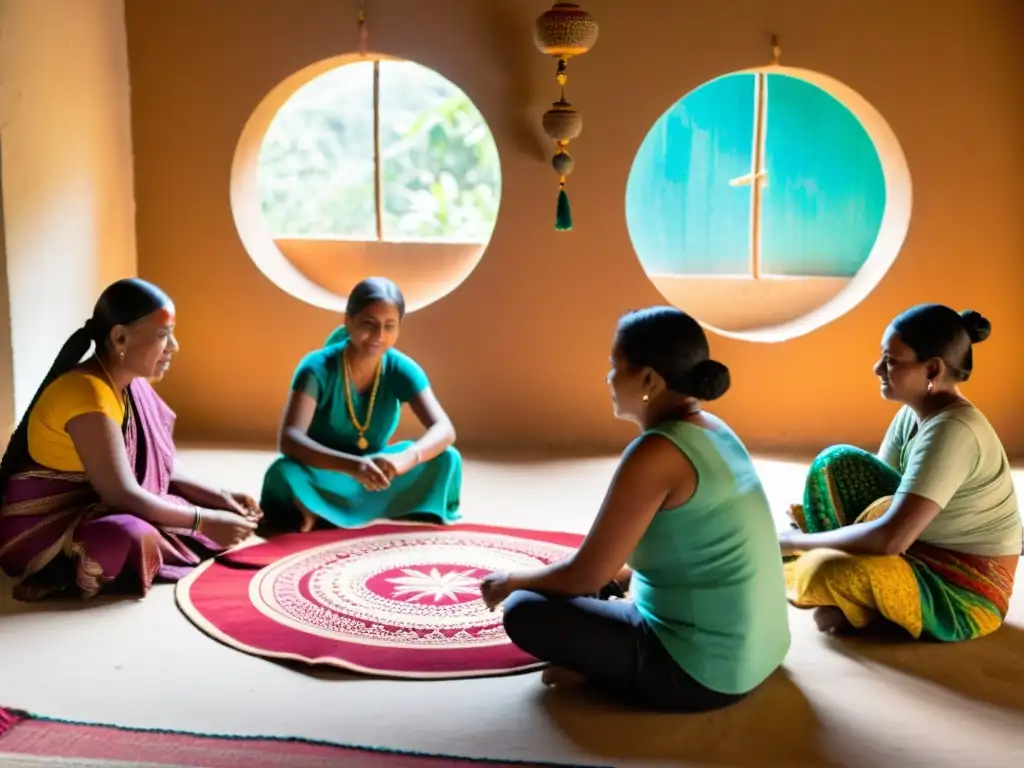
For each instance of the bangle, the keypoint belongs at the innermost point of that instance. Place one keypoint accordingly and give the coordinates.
(198, 519)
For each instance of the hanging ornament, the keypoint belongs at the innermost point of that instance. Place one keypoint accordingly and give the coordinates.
(562, 124)
(563, 31)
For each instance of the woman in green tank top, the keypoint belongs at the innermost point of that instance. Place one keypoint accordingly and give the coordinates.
(685, 526)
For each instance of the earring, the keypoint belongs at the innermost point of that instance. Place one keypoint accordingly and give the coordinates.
(931, 386)
(646, 398)
(121, 355)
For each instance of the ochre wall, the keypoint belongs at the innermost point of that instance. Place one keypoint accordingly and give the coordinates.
(69, 212)
(518, 353)
(7, 424)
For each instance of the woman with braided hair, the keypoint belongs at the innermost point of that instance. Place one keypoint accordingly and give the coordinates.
(92, 497)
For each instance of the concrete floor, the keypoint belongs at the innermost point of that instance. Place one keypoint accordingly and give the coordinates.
(835, 703)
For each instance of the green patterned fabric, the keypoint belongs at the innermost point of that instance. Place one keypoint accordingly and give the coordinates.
(843, 480)
(960, 596)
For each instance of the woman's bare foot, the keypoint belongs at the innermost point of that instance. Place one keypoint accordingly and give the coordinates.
(308, 519)
(831, 620)
(559, 676)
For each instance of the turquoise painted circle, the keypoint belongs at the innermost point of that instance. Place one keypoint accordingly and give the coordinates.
(691, 210)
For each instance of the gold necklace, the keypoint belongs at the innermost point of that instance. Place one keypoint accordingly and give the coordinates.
(113, 386)
(362, 442)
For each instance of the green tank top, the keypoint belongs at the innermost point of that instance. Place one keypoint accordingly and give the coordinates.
(707, 575)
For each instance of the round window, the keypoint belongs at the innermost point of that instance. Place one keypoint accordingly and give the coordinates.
(366, 166)
(768, 202)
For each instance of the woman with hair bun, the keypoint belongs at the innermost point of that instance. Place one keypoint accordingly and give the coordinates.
(927, 533)
(706, 619)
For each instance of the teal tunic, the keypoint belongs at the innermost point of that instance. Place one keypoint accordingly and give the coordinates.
(431, 488)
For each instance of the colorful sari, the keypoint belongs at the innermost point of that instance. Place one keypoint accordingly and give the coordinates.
(56, 536)
(928, 591)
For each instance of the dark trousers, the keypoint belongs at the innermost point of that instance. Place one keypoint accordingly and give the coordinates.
(609, 643)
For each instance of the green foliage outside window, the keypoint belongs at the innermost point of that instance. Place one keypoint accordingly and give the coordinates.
(440, 174)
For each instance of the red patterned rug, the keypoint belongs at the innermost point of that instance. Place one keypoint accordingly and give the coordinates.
(29, 740)
(394, 599)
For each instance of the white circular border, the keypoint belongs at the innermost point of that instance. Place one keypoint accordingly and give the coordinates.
(246, 210)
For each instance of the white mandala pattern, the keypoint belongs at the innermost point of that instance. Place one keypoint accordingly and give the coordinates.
(416, 585)
(404, 589)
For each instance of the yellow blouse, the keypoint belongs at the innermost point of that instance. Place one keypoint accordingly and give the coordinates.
(72, 394)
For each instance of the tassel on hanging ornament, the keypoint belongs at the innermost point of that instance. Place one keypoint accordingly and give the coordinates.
(563, 124)
(564, 31)
(563, 213)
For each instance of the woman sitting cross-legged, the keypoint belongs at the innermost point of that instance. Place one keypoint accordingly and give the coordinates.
(687, 520)
(337, 467)
(93, 498)
(938, 531)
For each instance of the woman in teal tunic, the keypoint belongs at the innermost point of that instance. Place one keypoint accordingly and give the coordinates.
(337, 467)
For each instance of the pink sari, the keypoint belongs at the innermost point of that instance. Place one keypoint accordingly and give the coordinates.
(56, 536)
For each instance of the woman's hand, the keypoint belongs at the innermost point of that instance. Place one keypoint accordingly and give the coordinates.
(395, 464)
(787, 541)
(370, 475)
(244, 505)
(225, 528)
(495, 587)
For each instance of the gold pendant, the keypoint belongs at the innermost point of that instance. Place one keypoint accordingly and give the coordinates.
(363, 443)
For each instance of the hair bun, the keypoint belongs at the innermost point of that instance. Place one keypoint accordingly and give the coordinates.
(977, 326)
(708, 380)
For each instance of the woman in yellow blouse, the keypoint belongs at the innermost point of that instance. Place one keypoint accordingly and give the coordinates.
(92, 498)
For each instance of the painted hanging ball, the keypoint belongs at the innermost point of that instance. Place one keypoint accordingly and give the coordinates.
(563, 163)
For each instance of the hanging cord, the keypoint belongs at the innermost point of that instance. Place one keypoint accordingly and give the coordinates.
(363, 33)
